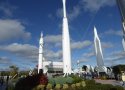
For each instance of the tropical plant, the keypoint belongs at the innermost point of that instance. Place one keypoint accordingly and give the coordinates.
(83, 84)
(49, 86)
(65, 86)
(58, 86)
(40, 87)
(51, 81)
(73, 86)
(69, 80)
(78, 84)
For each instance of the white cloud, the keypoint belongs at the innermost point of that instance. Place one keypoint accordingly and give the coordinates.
(57, 41)
(80, 44)
(53, 43)
(53, 38)
(5, 60)
(7, 9)
(95, 5)
(72, 14)
(23, 50)
(88, 55)
(83, 60)
(30, 52)
(114, 32)
(107, 45)
(53, 55)
(85, 5)
(116, 56)
(12, 29)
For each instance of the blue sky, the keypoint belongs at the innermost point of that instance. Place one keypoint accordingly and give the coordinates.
(22, 21)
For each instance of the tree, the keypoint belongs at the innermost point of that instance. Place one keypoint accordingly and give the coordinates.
(14, 70)
(84, 67)
(118, 68)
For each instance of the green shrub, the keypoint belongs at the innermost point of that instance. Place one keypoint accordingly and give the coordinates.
(58, 86)
(51, 81)
(102, 87)
(73, 86)
(90, 82)
(65, 86)
(107, 86)
(49, 86)
(40, 87)
(83, 84)
(60, 80)
(118, 88)
(69, 80)
(76, 79)
(98, 83)
(78, 84)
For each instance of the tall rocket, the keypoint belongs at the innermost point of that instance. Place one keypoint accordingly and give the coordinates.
(98, 49)
(66, 43)
(40, 59)
(123, 40)
(121, 5)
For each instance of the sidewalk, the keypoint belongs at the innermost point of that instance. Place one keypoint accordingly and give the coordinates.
(113, 82)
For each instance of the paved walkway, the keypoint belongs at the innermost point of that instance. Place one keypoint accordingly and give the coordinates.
(113, 82)
(3, 87)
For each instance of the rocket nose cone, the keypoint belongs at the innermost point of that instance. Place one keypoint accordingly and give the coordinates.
(41, 34)
(95, 31)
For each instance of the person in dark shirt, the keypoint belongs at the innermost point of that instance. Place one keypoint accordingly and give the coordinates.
(42, 78)
(1, 81)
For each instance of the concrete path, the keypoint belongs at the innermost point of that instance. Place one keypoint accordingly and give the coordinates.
(113, 82)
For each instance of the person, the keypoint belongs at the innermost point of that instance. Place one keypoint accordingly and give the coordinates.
(42, 78)
(7, 79)
(123, 78)
(1, 81)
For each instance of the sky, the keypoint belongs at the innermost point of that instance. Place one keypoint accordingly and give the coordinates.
(22, 21)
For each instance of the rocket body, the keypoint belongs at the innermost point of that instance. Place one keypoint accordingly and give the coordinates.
(98, 49)
(66, 43)
(40, 59)
(123, 40)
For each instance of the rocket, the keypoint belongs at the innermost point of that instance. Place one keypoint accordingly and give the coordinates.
(98, 49)
(123, 40)
(66, 43)
(121, 6)
(40, 59)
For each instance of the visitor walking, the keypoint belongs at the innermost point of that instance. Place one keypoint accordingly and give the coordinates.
(123, 78)
(1, 81)
(42, 78)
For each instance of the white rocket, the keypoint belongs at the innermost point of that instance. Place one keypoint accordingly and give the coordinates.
(40, 60)
(123, 40)
(66, 43)
(98, 49)
(121, 5)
